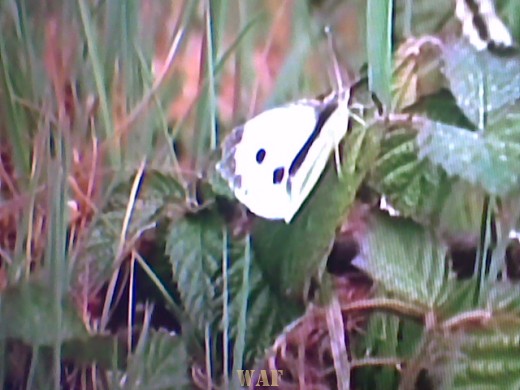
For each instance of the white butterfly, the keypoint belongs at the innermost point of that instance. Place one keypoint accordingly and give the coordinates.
(481, 25)
(274, 160)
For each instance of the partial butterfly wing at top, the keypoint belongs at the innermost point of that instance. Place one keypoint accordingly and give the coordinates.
(481, 24)
(274, 160)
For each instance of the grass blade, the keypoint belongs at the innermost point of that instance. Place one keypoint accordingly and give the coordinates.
(379, 48)
(93, 50)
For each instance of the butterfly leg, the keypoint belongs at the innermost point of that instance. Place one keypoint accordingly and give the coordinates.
(358, 118)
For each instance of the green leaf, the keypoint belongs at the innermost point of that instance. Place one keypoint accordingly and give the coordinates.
(505, 124)
(441, 107)
(405, 260)
(156, 190)
(491, 161)
(481, 81)
(195, 248)
(462, 211)
(413, 186)
(163, 364)
(28, 315)
(162, 186)
(472, 359)
(267, 316)
(290, 255)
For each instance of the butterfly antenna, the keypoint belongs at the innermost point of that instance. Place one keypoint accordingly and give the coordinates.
(334, 57)
(339, 88)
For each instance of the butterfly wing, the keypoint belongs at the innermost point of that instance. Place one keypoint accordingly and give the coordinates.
(481, 25)
(273, 162)
(257, 156)
(334, 129)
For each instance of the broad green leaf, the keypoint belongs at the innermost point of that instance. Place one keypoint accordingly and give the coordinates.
(441, 107)
(28, 315)
(155, 189)
(481, 81)
(413, 186)
(486, 358)
(195, 248)
(267, 316)
(504, 124)
(290, 255)
(405, 260)
(163, 364)
(101, 246)
(462, 211)
(162, 186)
(490, 161)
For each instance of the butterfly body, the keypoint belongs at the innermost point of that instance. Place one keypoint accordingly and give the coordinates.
(274, 160)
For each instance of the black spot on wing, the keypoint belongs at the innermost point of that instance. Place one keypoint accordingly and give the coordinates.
(260, 156)
(325, 114)
(278, 175)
